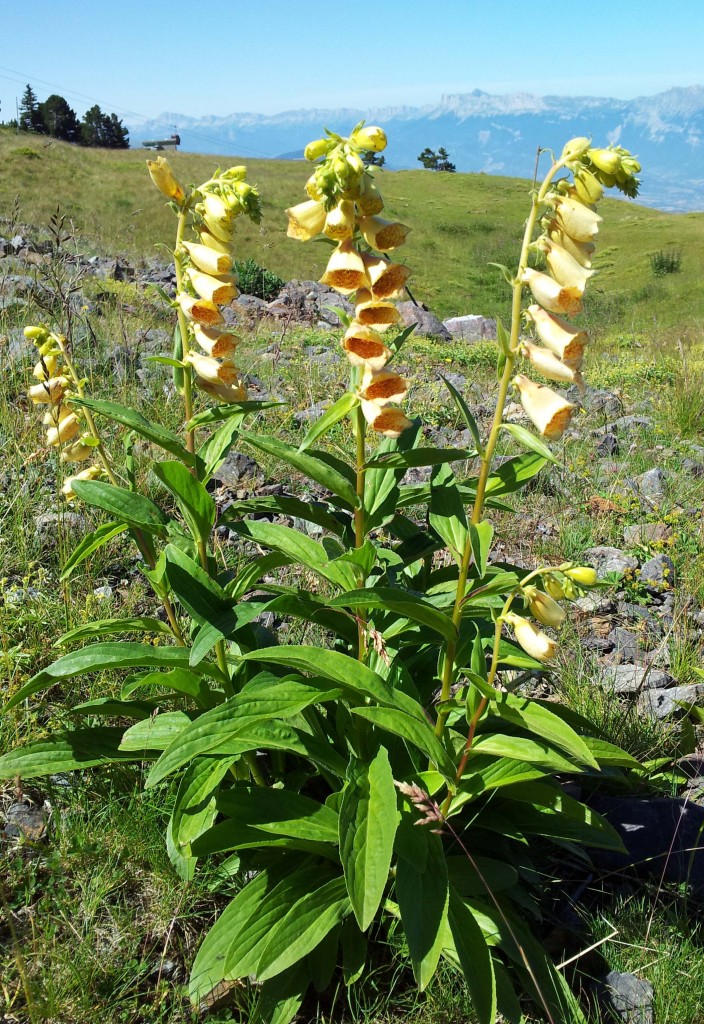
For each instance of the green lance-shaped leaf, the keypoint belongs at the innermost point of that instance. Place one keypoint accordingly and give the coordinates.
(417, 734)
(329, 418)
(302, 929)
(381, 490)
(195, 809)
(537, 752)
(156, 732)
(203, 599)
(279, 812)
(401, 601)
(511, 475)
(480, 537)
(284, 504)
(331, 473)
(475, 959)
(129, 506)
(529, 440)
(447, 514)
(195, 504)
(368, 822)
(90, 543)
(221, 413)
(65, 752)
(423, 898)
(98, 657)
(540, 721)
(466, 414)
(153, 432)
(180, 680)
(108, 627)
(299, 548)
(418, 457)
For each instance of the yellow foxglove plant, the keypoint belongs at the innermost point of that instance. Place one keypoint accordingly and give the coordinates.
(312, 764)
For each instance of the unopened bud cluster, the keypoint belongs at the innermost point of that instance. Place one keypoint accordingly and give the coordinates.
(207, 283)
(568, 241)
(65, 428)
(565, 582)
(344, 205)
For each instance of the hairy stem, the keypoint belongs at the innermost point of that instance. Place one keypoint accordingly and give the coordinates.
(359, 514)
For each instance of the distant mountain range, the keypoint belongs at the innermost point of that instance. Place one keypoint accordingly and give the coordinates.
(484, 133)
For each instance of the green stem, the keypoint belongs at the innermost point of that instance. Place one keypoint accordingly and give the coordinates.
(360, 425)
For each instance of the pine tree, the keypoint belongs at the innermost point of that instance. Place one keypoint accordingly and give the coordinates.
(60, 120)
(105, 131)
(30, 115)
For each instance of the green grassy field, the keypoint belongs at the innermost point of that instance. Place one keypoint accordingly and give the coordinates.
(460, 222)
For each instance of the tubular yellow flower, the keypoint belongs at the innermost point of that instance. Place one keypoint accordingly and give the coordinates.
(387, 279)
(340, 221)
(382, 387)
(370, 139)
(165, 180)
(575, 218)
(543, 608)
(554, 587)
(566, 270)
(549, 365)
(86, 474)
(345, 270)
(551, 294)
(369, 201)
(220, 290)
(533, 641)
(306, 220)
(215, 343)
(48, 392)
(383, 235)
(585, 575)
(223, 392)
(224, 233)
(211, 242)
(212, 371)
(365, 347)
(208, 260)
(370, 312)
(313, 189)
(201, 311)
(564, 340)
(582, 251)
(67, 428)
(46, 367)
(587, 189)
(549, 412)
(77, 452)
(391, 422)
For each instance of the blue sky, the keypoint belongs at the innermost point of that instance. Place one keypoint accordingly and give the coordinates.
(201, 57)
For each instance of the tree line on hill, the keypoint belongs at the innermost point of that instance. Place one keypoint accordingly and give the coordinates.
(54, 117)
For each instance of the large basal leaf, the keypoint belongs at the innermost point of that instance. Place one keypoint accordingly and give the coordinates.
(401, 601)
(180, 680)
(520, 748)
(305, 925)
(194, 809)
(156, 732)
(368, 822)
(418, 734)
(287, 505)
(311, 608)
(108, 627)
(195, 504)
(475, 959)
(129, 506)
(279, 812)
(98, 657)
(418, 457)
(423, 898)
(133, 420)
(381, 489)
(90, 543)
(540, 721)
(64, 752)
(299, 548)
(447, 514)
(337, 477)
(489, 773)
(354, 677)
(204, 600)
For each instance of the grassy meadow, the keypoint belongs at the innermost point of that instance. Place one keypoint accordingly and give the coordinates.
(94, 924)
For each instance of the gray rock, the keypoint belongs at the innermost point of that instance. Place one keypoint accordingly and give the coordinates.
(629, 998)
(427, 323)
(624, 424)
(594, 604)
(635, 678)
(658, 573)
(652, 485)
(603, 401)
(646, 533)
(103, 593)
(313, 412)
(662, 703)
(692, 467)
(48, 524)
(628, 610)
(608, 446)
(25, 821)
(607, 560)
(598, 644)
(471, 328)
(624, 643)
(237, 467)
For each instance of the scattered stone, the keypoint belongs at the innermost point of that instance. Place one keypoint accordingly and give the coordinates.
(635, 678)
(48, 524)
(603, 401)
(692, 467)
(237, 467)
(103, 593)
(652, 484)
(597, 644)
(471, 328)
(306, 301)
(607, 560)
(25, 821)
(608, 446)
(628, 423)
(662, 703)
(646, 533)
(594, 604)
(427, 324)
(313, 412)
(658, 574)
(629, 998)
(625, 644)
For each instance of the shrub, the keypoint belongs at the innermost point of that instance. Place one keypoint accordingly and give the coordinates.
(666, 261)
(256, 280)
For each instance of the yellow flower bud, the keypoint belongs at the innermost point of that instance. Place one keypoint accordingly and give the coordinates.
(371, 139)
(212, 371)
(46, 367)
(216, 343)
(371, 312)
(387, 279)
(211, 242)
(369, 201)
(382, 387)
(319, 147)
(575, 218)
(36, 334)
(551, 294)
(224, 233)
(549, 412)
(313, 189)
(564, 340)
(383, 235)
(202, 311)
(306, 220)
(533, 641)
(587, 189)
(549, 365)
(221, 290)
(163, 177)
(340, 221)
(67, 428)
(364, 347)
(49, 392)
(345, 270)
(585, 575)
(208, 260)
(86, 474)
(575, 148)
(543, 608)
(77, 452)
(607, 160)
(235, 174)
(554, 587)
